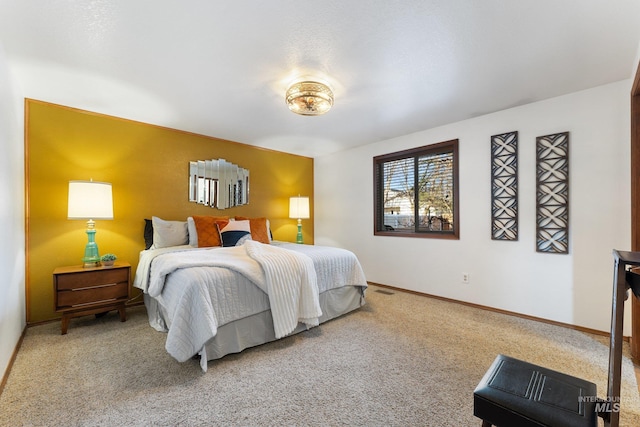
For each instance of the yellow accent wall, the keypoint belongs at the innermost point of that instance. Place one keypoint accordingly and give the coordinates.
(148, 167)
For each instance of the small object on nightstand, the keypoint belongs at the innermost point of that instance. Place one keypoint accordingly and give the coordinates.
(107, 260)
(81, 291)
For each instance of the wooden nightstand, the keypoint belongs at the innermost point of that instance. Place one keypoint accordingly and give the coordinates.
(82, 291)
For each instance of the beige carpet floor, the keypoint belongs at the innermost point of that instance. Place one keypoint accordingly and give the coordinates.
(402, 360)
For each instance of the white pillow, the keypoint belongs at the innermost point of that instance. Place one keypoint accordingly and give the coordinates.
(269, 231)
(235, 233)
(169, 233)
(193, 233)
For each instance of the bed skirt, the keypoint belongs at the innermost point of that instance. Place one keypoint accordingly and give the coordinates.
(257, 329)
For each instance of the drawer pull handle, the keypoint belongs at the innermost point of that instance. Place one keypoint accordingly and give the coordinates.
(94, 302)
(94, 287)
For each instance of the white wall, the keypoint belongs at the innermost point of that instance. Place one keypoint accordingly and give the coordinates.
(574, 288)
(12, 298)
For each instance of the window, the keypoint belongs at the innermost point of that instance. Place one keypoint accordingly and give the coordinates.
(432, 210)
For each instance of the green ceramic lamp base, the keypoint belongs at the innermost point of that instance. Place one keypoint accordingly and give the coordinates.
(299, 236)
(91, 252)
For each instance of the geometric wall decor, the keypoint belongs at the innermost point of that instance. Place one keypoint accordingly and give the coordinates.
(552, 193)
(504, 186)
(218, 184)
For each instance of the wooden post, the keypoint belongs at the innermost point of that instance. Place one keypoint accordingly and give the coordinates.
(635, 207)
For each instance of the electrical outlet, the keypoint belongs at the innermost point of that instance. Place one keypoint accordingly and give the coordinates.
(465, 277)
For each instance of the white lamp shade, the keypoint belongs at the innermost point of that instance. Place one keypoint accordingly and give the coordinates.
(90, 200)
(299, 207)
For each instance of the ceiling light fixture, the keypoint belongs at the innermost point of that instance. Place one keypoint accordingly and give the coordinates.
(309, 98)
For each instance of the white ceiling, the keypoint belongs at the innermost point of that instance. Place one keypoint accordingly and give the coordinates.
(221, 68)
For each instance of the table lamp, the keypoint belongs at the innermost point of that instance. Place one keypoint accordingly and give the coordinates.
(299, 208)
(90, 200)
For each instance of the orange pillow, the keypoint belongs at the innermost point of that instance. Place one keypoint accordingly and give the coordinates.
(259, 230)
(208, 231)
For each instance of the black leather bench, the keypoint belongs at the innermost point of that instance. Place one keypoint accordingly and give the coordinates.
(517, 393)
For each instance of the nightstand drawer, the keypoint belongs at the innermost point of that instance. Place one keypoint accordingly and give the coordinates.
(92, 278)
(92, 296)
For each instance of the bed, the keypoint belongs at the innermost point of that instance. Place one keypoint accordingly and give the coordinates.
(213, 301)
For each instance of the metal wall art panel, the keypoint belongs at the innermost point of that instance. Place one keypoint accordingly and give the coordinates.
(504, 186)
(218, 184)
(552, 193)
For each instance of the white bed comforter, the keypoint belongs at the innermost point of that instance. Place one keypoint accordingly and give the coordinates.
(288, 278)
(220, 287)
